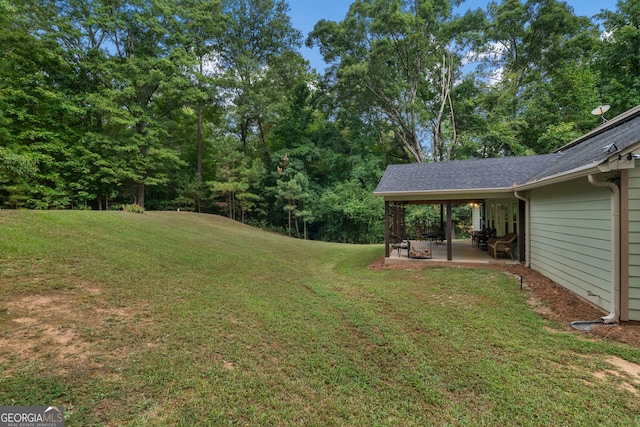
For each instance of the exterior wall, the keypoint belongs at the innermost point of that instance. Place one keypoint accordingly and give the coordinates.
(502, 215)
(571, 238)
(475, 214)
(634, 242)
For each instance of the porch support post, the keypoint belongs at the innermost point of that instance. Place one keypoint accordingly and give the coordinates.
(386, 228)
(395, 226)
(449, 232)
(522, 230)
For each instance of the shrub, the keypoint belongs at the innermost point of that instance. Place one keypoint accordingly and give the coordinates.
(135, 208)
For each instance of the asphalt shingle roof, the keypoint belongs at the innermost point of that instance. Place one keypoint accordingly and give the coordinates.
(596, 146)
(461, 174)
(506, 172)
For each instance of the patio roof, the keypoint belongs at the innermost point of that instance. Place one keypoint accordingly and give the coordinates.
(469, 178)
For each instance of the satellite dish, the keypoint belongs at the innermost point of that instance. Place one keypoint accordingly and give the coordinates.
(599, 111)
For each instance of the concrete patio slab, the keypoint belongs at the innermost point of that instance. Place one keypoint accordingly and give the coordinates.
(463, 252)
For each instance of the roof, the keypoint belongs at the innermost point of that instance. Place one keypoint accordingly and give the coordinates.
(597, 146)
(477, 174)
(508, 173)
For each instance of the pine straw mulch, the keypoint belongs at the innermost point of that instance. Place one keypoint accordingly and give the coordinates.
(550, 300)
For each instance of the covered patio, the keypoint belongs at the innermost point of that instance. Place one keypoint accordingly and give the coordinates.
(488, 183)
(465, 252)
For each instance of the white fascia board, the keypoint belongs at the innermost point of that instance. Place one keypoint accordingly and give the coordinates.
(462, 194)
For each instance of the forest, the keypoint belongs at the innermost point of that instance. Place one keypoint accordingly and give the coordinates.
(209, 106)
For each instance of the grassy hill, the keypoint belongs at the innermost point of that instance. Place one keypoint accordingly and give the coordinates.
(185, 319)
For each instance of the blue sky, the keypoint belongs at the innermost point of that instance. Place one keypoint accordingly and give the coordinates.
(305, 13)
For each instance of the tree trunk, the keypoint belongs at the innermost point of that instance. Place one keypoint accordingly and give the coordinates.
(199, 137)
(199, 160)
(199, 148)
(267, 154)
(440, 148)
(140, 194)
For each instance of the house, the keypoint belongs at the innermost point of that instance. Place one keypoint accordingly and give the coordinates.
(576, 211)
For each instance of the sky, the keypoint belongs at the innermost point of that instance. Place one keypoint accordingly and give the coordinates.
(305, 13)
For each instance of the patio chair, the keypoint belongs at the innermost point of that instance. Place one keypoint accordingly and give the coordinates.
(501, 244)
(481, 238)
(398, 243)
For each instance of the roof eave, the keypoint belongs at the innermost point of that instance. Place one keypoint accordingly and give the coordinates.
(560, 177)
(453, 194)
(483, 192)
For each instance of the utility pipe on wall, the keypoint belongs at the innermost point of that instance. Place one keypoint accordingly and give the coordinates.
(527, 220)
(614, 314)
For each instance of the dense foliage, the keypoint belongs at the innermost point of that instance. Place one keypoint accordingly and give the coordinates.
(209, 106)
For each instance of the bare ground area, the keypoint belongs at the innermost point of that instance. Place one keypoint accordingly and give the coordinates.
(550, 300)
(72, 330)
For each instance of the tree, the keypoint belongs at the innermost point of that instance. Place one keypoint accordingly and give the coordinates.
(294, 192)
(149, 83)
(529, 48)
(38, 110)
(203, 29)
(351, 213)
(386, 56)
(258, 43)
(236, 177)
(560, 111)
(618, 57)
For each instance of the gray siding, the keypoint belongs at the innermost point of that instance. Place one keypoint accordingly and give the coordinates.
(571, 238)
(634, 244)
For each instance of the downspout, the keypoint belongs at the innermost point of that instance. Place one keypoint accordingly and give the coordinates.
(527, 220)
(614, 314)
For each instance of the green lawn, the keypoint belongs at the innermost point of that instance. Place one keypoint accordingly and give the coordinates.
(186, 319)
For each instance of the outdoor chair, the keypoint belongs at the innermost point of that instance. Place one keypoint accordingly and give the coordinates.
(501, 244)
(481, 238)
(398, 243)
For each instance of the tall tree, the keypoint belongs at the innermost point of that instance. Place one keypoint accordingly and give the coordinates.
(37, 103)
(150, 81)
(258, 39)
(619, 56)
(203, 27)
(386, 56)
(530, 47)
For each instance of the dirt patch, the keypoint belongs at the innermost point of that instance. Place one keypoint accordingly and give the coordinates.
(550, 300)
(631, 369)
(626, 375)
(58, 327)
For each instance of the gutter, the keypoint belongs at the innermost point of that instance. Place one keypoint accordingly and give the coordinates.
(527, 220)
(614, 314)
